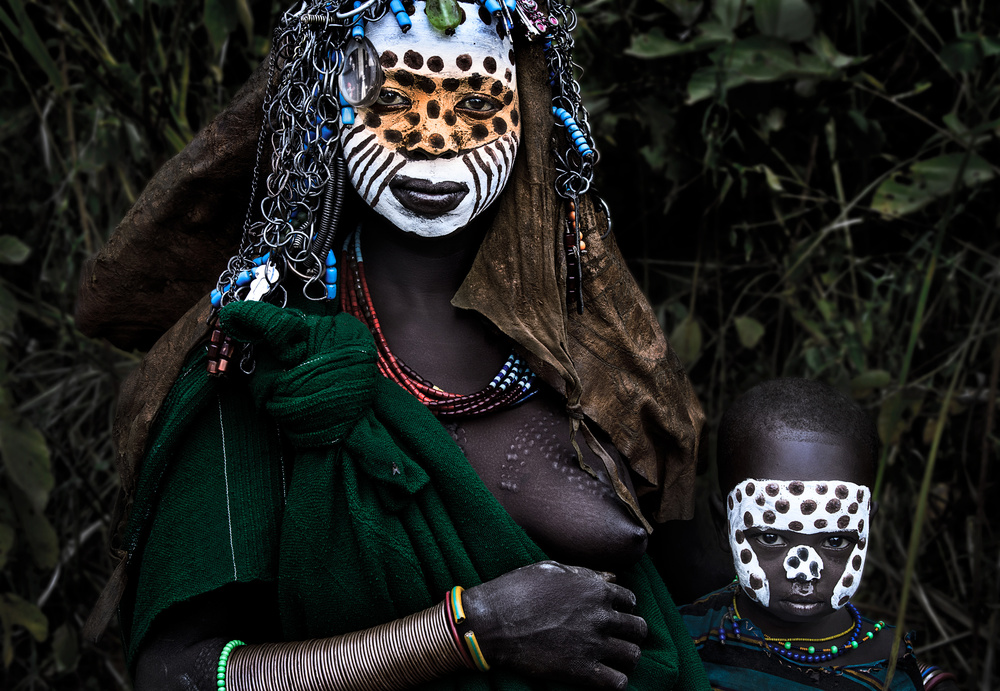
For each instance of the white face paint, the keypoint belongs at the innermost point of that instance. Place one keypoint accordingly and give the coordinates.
(810, 508)
(439, 145)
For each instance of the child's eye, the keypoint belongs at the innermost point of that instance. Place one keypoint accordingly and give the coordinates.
(836, 542)
(770, 539)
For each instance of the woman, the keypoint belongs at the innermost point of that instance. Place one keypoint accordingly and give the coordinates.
(316, 509)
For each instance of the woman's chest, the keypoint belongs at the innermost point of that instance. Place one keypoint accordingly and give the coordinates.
(527, 460)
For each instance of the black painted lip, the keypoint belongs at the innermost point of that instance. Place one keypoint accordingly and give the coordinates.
(428, 198)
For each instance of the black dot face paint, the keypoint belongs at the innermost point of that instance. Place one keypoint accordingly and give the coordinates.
(412, 118)
(476, 82)
(388, 59)
(464, 62)
(479, 132)
(393, 136)
(433, 110)
(499, 125)
(372, 119)
(435, 63)
(449, 118)
(437, 141)
(490, 64)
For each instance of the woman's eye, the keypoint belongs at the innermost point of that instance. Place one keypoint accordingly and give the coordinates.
(771, 539)
(478, 105)
(392, 99)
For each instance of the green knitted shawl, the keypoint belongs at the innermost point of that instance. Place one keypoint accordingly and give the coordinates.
(320, 475)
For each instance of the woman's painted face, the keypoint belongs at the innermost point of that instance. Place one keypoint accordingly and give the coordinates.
(799, 546)
(438, 146)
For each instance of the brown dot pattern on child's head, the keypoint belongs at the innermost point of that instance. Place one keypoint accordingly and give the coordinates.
(794, 525)
(476, 81)
(841, 492)
(856, 562)
(433, 110)
(761, 500)
(739, 495)
(756, 582)
(496, 88)
(745, 556)
(449, 118)
(848, 580)
(782, 505)
(861, 524)
(372, 119)
(843, 522)
(499, 125)
(821, 489)
(861, 495)
(750, 489)
(436, 140)
(769, 517)
(484, 14)
(731, 504)
(490, 64)
(833, 506)
(747, 519)
(808, 506)
(862, 543)
(413, 118)
(820, 523)
(772, 489)
(844, 600)
(740, 537)
(508, 75)
(853, 508)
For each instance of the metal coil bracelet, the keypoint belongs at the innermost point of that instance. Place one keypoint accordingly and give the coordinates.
(397, 655)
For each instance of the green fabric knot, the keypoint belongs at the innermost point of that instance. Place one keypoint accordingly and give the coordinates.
(316, 375)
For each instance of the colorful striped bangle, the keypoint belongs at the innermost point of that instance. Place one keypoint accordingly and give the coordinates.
(223, 660)
(455, 636)
(457, 611)
(475, 652)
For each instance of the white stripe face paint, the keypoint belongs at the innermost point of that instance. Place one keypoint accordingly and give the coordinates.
(439, 146)
(807, 508)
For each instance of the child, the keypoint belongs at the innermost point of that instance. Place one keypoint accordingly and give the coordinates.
(797, 460)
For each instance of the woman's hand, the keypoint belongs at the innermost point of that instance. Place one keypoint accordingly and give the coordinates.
(557, 621)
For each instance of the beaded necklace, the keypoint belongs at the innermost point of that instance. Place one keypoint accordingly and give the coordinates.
(514, 383)
(808, 654)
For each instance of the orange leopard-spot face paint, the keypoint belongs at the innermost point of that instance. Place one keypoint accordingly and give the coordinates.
(439, 145)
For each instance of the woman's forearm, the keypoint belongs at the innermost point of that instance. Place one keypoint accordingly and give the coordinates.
(396, 655)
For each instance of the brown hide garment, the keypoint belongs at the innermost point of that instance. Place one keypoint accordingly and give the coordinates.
(612, 363)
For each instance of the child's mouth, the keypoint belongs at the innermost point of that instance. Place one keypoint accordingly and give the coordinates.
(802, 605)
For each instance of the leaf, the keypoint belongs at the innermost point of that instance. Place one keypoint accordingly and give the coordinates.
(654, 44)
(26, 458)
(39, 535)
(25, 32)
(755, 59)
(220, 19)
(730, 12)
(686, 339)
(687, 11)
(12, 250)
(902, 408)
(749, 330)
(909, 191)
(791, 20)
(872, 379)
(8, 309)
(6, 542)
(16, 611)
(962, 56)
(65, 648)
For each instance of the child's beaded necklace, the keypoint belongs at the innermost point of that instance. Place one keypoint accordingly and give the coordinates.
(809, 654)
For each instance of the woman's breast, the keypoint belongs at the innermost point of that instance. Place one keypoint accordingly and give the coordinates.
(525, 457)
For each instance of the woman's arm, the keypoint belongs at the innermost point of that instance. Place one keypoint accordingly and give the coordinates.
(547, 620)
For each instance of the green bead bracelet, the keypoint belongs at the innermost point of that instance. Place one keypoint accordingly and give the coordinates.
(223, 660)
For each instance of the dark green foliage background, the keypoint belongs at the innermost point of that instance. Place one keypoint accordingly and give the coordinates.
(803, 188)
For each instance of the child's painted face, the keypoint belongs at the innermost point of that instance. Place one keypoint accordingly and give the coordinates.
(438, 146)
(799, 545)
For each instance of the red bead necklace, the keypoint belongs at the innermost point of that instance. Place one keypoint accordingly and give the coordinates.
(514, 384)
